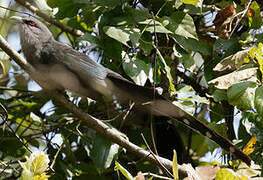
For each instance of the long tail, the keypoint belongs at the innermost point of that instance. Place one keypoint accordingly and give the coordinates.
(162, 107)
(166, 108)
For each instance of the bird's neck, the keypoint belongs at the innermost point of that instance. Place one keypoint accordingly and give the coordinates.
(32, 45)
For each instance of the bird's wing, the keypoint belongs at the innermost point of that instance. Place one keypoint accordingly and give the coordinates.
(81, 63)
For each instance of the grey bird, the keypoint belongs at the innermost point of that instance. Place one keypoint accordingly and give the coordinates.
(66, 68)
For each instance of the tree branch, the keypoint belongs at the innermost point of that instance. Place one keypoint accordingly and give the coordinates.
(92, 122)
(50, 19)
(190, 81)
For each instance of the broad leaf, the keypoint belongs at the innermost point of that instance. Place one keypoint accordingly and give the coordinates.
(224, 82)
(232, 62)
(154, 26)
(124, 172)
(242, 95)
(123, 34)
(136, 69)
(259, 100)
(167, 71)
(103, 153)
(226, 173)
(193, 2)
(181, 24)
(252, 123)
(254, 17)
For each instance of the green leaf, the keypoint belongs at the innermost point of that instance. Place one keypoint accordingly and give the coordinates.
(103, 153)
(136, 69)
(219, 95)
(112, 50)
(258, 55)
(189, 45)
(167, 71)
(193, 2)
(88, 37)
(242, 95)
(258, 101)
(109, 3)
(154, 26)
(10, 145)
(67, 8)
(253, 124)
(185, 57)
(124, 172)
(123, 34)
(255, 21)
(181, 24)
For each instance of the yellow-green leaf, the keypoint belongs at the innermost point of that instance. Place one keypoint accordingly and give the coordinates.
(175, 166)
(39, 164)
(193, 2)
(250, 147)
(226, 174)
(124, 172)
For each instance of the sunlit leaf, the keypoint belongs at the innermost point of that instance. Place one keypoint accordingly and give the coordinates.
(175, 166)
(42, 6)
(251, 171)
(154, 26)
(136, 69)
(250, 147)
(232, 62)
(226, 174)
(123, 34)
(252, 123)
(124, 172)
(224, 82)
(193, 2)
(181, 24)
(255, 20)
(42, 176)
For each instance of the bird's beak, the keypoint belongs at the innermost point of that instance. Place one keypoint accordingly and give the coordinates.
(17, 19)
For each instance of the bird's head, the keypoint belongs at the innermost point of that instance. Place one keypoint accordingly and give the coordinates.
(32, 28)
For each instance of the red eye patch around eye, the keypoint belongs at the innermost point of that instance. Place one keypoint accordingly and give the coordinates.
(30, 23)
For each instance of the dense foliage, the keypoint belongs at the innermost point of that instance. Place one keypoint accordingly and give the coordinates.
(206, 56)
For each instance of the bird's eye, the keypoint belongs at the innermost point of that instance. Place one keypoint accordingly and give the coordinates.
(30, 23)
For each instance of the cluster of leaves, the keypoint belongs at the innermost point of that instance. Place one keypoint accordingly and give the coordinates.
(162, 43)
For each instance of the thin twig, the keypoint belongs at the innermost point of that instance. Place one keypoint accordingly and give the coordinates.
(161, 165)
(15, 10)
(238, 21)
(126, 114)
(154, 88)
